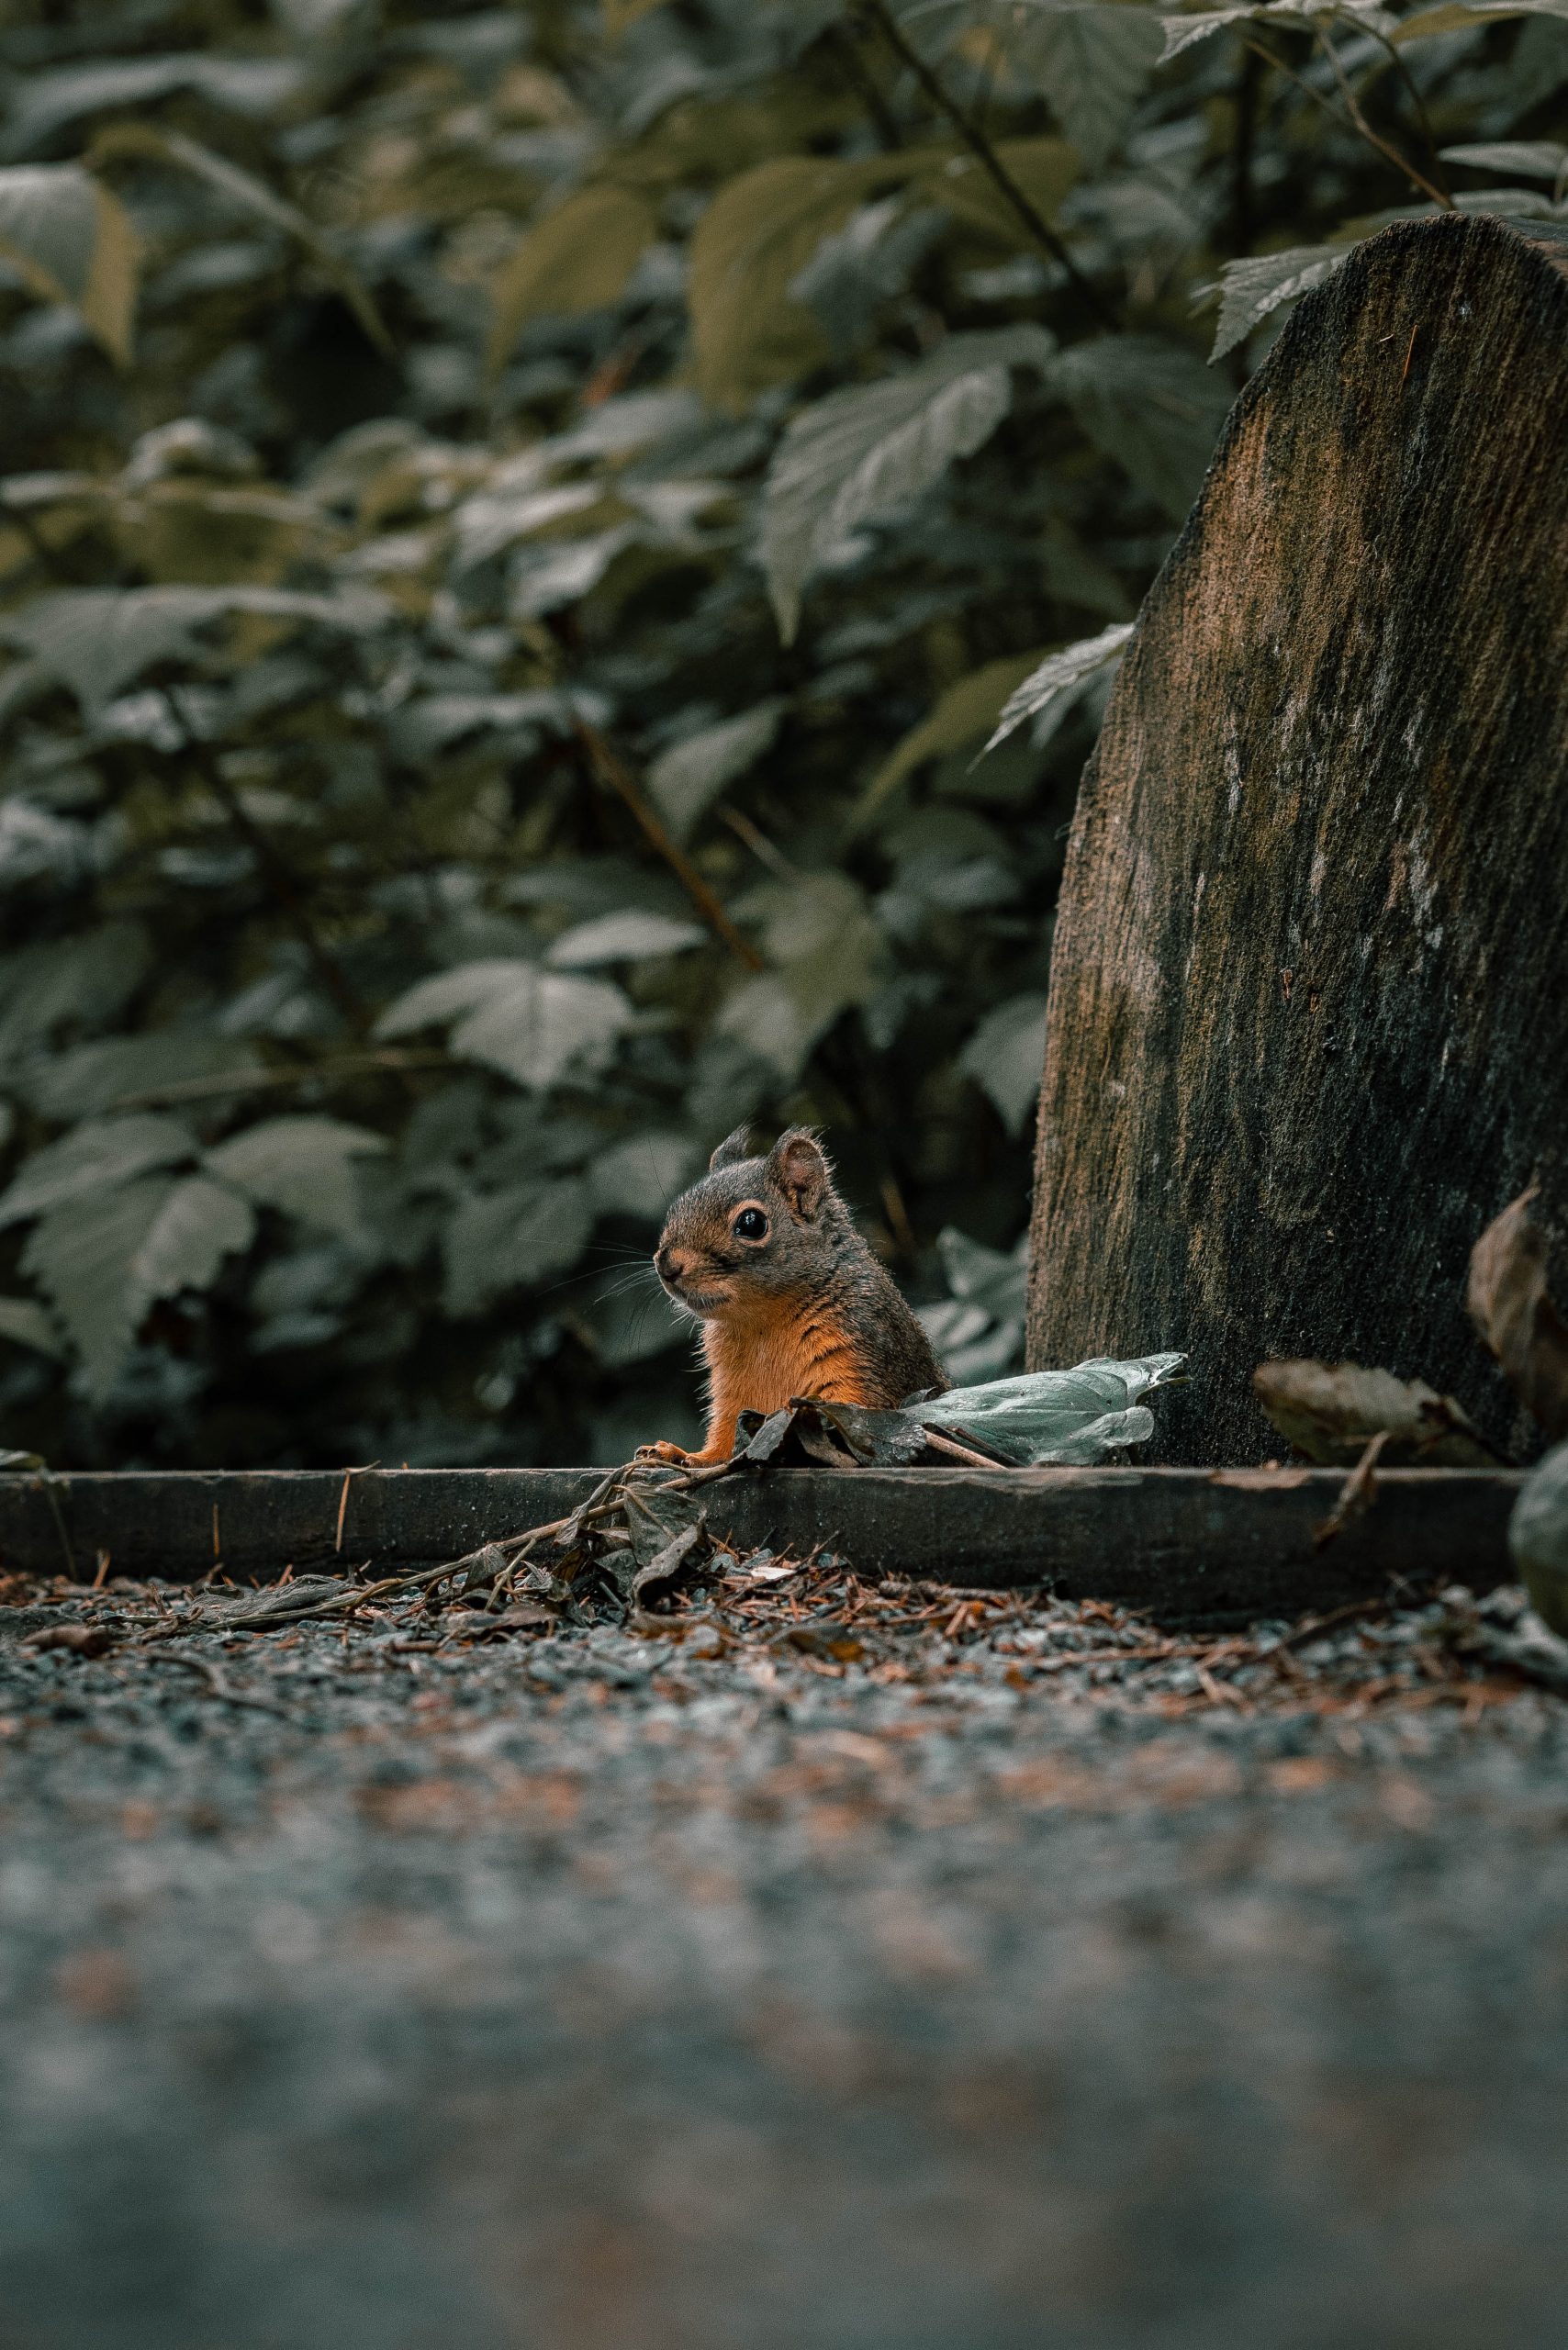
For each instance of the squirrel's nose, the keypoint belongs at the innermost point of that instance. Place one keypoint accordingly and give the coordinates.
(671, 1265)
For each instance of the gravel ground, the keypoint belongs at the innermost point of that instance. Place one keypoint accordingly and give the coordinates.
(804, 1965)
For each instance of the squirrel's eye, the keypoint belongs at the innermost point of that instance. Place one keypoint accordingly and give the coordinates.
(751, 1224)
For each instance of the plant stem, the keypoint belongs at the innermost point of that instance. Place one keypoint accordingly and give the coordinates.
(1248, 84)
(878, 13)
(609, 770)
(1417, 179)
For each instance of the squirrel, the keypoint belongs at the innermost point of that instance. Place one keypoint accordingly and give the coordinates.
(763, 1252)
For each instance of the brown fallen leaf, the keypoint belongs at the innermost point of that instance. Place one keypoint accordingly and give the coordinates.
(1517, 1315)
(79, 1640)
(1332, 1411)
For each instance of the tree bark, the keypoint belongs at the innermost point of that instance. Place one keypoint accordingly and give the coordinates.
(1307, 1030)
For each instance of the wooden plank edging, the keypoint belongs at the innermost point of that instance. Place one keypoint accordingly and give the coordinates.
(1172, 1541)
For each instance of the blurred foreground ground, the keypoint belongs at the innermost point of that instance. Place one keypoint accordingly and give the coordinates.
(814, 1967)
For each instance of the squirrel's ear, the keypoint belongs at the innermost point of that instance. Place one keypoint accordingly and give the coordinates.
(733, 1149)
(798, 1166)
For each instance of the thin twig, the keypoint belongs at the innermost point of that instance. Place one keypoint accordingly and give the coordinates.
(1401, 163)
(1027, 213)
(393, 1062)
(609, 770)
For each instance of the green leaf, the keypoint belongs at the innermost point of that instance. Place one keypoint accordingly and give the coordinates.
(1359, 15)
(830, 954)
(1091, 65)
(73, 242)
(199, 1224)
(96, 640)
(1151, 405)
(640, 1176)
(503, 1241)
(1532, 159)
(1049, 690)
(631, 936)
(121, 1071)
(862, 452)
(95, 1157)
(1258, 283)
(301, 1165)
(684, 781)
(1459, 15)
(86, 978)
(103, 1260)
(755, 237)
(141, 142)
(1006, 1054)
(25, 1323)
(1041, 169)
(531, 1024)
(961, 715)
(576, 258)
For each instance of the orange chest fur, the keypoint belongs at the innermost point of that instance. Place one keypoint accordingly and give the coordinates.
(756, 1365)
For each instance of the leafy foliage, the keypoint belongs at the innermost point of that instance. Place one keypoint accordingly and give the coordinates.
(558, 566)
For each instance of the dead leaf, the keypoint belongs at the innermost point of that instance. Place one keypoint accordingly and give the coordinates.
(1331, 1412)
(1516, 1314)
(78, 1640)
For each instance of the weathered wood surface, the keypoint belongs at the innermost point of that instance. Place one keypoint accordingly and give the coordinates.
(1308, 1027)
(1177, 1543)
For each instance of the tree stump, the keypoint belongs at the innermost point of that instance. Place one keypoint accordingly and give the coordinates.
(1308, 1022)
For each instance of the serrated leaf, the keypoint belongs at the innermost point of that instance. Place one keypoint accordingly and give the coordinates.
(1151, 405)
(199, 1224)
(1006, 1054)
(1090, 63)
(630, 937)
(96, 640)
(1255, 286)
(103, 1260)
(301, 1165)
(830, 954)
(1511, 1304)
(576, 258)
(121, 1070)
(73, 242)
(531, 1024)
(502, 1240)
(1049, 690)
(80, 1256)
(98, 1156)
(860, 452)
(1360, 15)
(960, 714)
(684, 781)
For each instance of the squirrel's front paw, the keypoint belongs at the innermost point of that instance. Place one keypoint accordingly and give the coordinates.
(661, 1451)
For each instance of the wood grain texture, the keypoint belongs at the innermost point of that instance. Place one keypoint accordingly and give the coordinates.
(1307, 1029)
(1178, 1543)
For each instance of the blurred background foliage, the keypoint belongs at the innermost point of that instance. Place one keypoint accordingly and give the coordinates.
(518, 523)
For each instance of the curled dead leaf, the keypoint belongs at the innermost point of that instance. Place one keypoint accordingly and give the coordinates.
(1332, 1411)
(1514, 1311)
